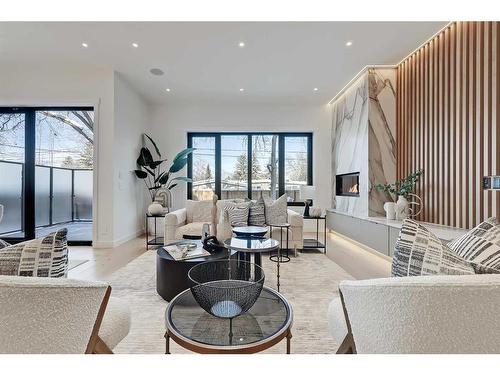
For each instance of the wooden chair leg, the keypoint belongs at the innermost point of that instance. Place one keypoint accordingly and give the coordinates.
(347, 346)
(101, 347)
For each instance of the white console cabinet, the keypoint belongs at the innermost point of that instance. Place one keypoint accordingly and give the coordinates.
(378, 233)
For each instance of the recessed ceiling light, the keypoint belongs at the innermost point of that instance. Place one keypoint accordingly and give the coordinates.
(315, 89)
(348, 43)
(84, 45)
(167, 90)
(156, 72)
(241, 44)
(135, 45)
(241, 90)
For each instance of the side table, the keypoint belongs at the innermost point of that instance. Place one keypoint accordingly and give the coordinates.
(311, 243)
(155, 240)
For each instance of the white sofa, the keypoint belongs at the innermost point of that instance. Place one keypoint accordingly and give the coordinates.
(57, 315)
(190, 220)
(419, 314)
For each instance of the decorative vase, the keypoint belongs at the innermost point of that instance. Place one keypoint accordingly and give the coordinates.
(401, 208)
(390, 210)
(315, 211)
(155, 208)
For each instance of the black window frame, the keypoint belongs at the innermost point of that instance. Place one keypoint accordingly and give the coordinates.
(28, 185)
(281, 159)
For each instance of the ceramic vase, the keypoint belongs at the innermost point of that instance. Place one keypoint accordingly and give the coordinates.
(155, 208)
(390, 210)
(401, 208)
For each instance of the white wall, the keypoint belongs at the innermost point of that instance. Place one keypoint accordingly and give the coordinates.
(170, 125)
(117, 197)
(131, 114)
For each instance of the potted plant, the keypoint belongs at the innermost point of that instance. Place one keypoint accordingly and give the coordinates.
(158, 179)
(403, 190)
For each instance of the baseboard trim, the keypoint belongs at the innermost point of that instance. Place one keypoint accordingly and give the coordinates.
(119, 241)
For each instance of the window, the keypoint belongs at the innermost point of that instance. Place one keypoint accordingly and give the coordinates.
(249, 165)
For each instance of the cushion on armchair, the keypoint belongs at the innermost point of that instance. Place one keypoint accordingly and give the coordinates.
(276, 211)
(238, 214)
(42, 257)
(3, 244)
(419, 252)
(257, 216)
(480, 246)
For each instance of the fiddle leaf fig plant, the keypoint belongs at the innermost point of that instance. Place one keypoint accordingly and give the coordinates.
(401, 187)
(151, 171)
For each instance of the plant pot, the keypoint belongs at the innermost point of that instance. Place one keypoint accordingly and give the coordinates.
(401, 208)
(390, 210)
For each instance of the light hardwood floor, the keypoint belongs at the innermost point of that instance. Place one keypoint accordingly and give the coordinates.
(101, 263)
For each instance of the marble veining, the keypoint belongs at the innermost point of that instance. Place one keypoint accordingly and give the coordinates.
(363, 140)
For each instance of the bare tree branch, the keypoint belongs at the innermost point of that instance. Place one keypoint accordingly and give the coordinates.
(66, 120)
(85, 118)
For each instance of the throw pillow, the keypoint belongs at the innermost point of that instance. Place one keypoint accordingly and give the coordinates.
(419, 252)
(238, 214)
(257, 214)
(3, 244)
(480, 246)
(42, 257)
(276, 211)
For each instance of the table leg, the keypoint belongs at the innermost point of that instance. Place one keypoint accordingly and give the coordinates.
(288, 341)
(167, 343)
(258, 259)
(325, 235)
(147, 234)
(278, 265)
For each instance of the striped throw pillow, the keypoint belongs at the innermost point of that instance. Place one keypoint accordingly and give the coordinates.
(480, 246)
(238, 214)
(257, 214)
(419, 252)
(42, 257)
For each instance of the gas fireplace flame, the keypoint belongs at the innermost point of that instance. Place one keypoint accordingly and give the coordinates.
(353, 188)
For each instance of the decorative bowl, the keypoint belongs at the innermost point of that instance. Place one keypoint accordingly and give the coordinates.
(226, 288)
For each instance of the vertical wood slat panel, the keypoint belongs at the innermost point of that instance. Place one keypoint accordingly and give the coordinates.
(448, 123)
(497, 127)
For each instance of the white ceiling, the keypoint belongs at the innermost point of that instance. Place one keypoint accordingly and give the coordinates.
(281, 61)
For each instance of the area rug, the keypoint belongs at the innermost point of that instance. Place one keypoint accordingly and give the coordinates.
(308, 281)
(73, 263)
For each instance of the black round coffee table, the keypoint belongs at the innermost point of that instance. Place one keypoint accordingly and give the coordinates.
(267, 322)
(172, 275)
(250, 231)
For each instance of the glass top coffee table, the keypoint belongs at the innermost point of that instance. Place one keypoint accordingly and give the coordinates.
(267, 322)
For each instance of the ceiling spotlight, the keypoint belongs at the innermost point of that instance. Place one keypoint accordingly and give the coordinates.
(241, 44)
(84, 45)
(167, 90)
(348, 43)
(156, 72)
(241, 90)
(135, 45)
(315, 89)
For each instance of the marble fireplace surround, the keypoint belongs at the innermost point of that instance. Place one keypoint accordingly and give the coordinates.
(363, 140)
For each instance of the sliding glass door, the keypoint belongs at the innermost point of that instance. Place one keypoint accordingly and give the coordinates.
(49, 151)
(12, 171)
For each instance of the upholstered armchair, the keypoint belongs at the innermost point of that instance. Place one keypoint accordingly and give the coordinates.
(59, 316)
(418, 314)
(188, 220)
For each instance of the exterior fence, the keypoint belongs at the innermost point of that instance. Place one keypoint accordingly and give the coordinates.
(61, 195)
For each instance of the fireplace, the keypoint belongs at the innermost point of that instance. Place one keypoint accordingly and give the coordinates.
(347, 184)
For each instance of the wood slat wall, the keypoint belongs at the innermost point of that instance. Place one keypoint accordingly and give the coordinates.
(447, 122)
